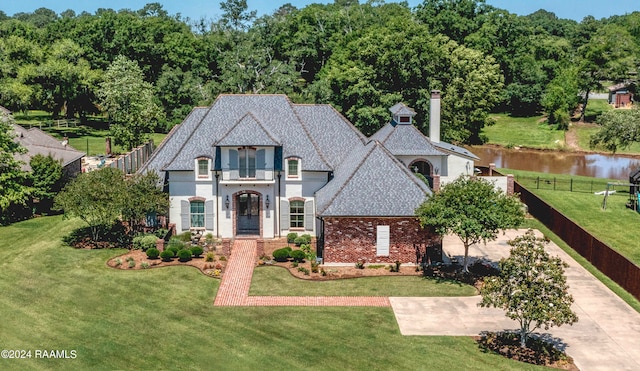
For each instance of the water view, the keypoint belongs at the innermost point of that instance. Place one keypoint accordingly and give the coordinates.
(556, 162)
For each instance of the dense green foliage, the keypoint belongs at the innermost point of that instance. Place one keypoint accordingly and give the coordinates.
(103, 196)
(531, 288)
(472, 209)
(620, 128)
(14, 189)
(361, 57)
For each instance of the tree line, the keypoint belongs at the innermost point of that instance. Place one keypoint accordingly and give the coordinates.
(360, 57)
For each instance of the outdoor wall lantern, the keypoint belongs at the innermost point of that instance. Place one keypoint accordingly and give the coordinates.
(266, 202)
(226, 203)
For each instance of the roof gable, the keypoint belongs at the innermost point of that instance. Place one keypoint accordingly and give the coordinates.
(37, 142)
(247, 131)
(371, 182)
(406, 140)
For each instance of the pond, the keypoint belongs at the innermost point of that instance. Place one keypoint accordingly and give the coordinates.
(559, 162)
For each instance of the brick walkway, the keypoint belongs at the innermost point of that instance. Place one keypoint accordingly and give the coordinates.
(234, 288)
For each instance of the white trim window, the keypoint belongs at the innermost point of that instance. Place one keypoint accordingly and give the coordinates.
(296, 214)
(203, 168)
(293, 168)
(197, 214)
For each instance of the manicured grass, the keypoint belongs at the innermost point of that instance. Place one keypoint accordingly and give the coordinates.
(596, 107)
(89, 138)
(277, 281)
(613, 286)
(584, 134)
(617, 225)
(58, 298)
(532, 132)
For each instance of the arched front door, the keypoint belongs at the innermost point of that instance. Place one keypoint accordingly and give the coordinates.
(248, 213)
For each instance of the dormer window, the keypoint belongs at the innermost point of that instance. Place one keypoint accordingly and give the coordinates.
(293, 167)
(405, 119)
(203, 169)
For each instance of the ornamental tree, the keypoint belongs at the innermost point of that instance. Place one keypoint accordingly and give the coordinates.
(95, 197)
(531, 287)
(471, 208)
(14, 189)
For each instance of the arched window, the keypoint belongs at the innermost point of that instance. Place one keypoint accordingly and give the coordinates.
(423, 168)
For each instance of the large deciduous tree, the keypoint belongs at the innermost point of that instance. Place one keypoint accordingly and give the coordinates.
(143, 198)
(14, 189)
(531, 287)
(472, 209)
(130, 102)
(619, 129)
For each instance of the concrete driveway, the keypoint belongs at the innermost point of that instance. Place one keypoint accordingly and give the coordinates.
(606, 336)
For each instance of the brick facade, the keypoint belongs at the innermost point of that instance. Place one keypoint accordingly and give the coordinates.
(348, 240)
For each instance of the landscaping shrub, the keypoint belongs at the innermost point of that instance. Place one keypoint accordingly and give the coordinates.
(166, 255)
(174, 250)
(132, 264)
(153, 253)
(291, 237)
(297, 255)
(144, 242)
(144, 265)
(360, 264)
(185, 236)
(160, 233)
(395, 267)
(184, 255)
(281, 255)
(302, 240)
(118, 262)
(175, 242)
(210, 257)
(197, 251)
(304, 270)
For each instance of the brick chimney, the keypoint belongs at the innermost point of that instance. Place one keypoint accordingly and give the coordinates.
(434, 117)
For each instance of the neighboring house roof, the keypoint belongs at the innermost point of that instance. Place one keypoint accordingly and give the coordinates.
(622, 85)
(37, 142)
(5, 111)
(405, 140)
(371, 181)
(247, 132)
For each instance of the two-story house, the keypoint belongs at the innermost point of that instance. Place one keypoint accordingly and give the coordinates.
(261, 166)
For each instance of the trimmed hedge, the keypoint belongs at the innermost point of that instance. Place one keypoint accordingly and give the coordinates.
(282, 255)
(197, 251)
(304, 239)
(153, 253)
(291, 237)
(298, 256)
(184, 255)
(166, 255)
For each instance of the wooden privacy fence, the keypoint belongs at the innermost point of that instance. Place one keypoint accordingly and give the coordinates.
(132, 161)
(608, 261)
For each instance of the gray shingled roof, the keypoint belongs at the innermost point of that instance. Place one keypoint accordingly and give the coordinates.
(37, 142)
(247, 132)
(173, 143)
(371, 181)
(460, 151)
(406, 140)
(274, 112)
(400, 109)
(334, 135)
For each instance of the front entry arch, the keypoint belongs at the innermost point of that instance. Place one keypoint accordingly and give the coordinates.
(248, 213)
(423, 167)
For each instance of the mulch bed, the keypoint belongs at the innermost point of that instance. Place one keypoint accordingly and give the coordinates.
(537, 352)
(138, 256)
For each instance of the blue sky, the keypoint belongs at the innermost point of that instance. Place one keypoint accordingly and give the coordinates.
(195, 9)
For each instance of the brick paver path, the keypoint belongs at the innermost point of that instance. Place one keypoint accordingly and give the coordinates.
(234, 288)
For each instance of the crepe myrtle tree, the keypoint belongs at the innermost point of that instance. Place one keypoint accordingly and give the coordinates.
(531, 287)
(471, 208)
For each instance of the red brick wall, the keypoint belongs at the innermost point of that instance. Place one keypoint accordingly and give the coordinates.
(347, 240)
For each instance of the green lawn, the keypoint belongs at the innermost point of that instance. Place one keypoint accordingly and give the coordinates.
(532, 132)
(584, 136)
(596, 107)
(89, 138)
(57, 298)
(617, 226)
(277, 281)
